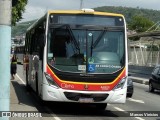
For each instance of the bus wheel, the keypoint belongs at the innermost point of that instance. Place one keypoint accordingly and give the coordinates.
(151, 89)
(101, 106)
(37, 84)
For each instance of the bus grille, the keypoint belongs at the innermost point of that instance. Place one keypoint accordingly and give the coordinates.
(76, 96)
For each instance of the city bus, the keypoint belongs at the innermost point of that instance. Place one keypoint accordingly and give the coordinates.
(78, 56)
(19, 51)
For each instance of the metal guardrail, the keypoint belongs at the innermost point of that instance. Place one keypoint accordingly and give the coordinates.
(140, 69)
(145, 34)
(143, 70)
(140, 80)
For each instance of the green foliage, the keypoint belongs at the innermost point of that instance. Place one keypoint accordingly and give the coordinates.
(152, 48)
(153, 15)
(21, 28)
(140, 23)
(17, 11)
(137, 19)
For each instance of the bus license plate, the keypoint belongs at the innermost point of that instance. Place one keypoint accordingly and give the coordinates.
(86, 100)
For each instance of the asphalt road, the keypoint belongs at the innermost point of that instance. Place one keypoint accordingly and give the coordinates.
(142, 103)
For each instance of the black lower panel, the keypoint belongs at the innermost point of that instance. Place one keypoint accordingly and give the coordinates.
(76, 96)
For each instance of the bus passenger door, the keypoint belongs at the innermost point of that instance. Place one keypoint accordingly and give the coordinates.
(34, 70)
(38, 65)
(36, 74)
(40, 77)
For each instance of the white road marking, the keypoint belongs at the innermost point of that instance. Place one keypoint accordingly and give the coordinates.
(139, 118)
(50, 111)
(134, 100)
(20, 79)
(119, 109)
(56, 118)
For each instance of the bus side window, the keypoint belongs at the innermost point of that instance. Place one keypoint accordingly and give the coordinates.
(41, 46)
(59, 46)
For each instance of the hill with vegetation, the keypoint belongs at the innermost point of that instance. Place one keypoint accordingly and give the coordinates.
(153, 15)
(129, 13)
(21, 28)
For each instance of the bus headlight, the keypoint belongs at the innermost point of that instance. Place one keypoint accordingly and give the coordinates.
(51, 82)
(120, 85)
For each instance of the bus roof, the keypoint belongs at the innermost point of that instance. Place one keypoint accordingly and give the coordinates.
(83, 12)
(74, 12)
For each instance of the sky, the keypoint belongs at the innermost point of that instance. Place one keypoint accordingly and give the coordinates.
(37, 8)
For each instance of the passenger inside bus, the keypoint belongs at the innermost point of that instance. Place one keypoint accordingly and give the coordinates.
(59, 46)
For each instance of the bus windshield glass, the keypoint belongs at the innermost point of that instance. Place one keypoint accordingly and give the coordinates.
(83, 48)
(98, 51)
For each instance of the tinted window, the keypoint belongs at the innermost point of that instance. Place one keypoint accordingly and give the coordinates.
(156, 70)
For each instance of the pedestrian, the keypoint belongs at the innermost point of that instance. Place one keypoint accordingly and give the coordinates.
(26, 62)
(13, 66)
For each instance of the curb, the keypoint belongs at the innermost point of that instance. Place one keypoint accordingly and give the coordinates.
(140, 80)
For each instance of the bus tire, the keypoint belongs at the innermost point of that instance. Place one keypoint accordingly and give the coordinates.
(37, 84)
(151, 89)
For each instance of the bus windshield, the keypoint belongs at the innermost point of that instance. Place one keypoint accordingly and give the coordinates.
(89, 49)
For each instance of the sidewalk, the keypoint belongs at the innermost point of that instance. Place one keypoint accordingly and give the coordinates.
(19, 100)
(22, 104)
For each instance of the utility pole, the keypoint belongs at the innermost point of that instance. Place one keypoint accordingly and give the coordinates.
(5, 48)
(81, 4)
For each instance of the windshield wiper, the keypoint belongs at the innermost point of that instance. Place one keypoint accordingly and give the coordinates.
(73, 37)
(59, 26)
(92, 46)
(98, 39)
(104, 31)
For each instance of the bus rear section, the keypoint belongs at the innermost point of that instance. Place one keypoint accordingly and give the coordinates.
(84, 58)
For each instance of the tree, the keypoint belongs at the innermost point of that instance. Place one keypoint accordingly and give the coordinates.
(140, 23)
(17, 10)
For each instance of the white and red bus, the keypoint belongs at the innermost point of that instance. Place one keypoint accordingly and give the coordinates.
(78, 56)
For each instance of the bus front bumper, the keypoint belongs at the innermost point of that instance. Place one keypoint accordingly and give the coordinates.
(51, 93)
